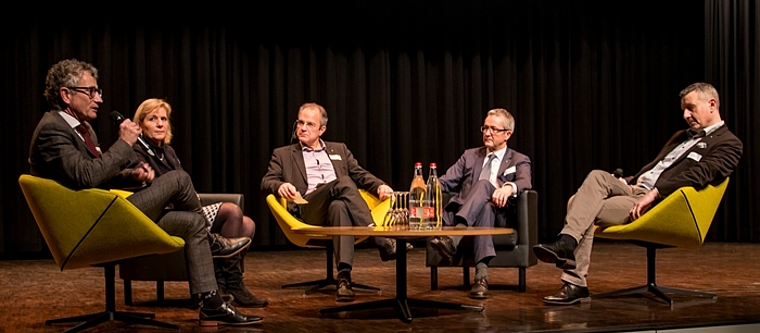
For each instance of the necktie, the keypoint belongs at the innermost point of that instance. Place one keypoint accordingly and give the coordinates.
(485, 174)
(87, 139)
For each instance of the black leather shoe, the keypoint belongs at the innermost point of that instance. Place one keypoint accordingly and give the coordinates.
(388, 250)
(568, 294)
(444, 245)
(226, 315)
(556, 253)
(479, 289)
(344, 292)
(222, 247)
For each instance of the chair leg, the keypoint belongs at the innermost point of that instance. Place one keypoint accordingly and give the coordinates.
(466, 276)
(160, 291)
(110, 312)
(522, 287)
(127, 292)
(329, 279)
(433, 278)
(652, 287)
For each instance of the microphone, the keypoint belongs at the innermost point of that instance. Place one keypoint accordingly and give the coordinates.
(293, 136)
(118, 118)
(618, 173)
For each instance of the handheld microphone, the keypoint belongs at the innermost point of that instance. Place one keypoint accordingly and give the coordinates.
(618, 173)
(117, 119)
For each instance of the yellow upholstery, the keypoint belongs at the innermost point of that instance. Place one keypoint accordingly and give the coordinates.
(680, 220)
(92, 226)
(288, 221)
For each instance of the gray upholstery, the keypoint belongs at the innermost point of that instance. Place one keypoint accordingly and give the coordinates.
(165, 267)
(511, 250)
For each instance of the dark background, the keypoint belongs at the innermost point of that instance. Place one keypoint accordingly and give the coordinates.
(592, 85)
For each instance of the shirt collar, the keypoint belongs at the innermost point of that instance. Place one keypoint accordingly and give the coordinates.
(499, 153)
(706, 131)
(73, 122)
(322, 147)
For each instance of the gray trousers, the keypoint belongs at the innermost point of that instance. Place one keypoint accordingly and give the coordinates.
(185, 220)
(338, 203)
(604, 200)
(478, 210)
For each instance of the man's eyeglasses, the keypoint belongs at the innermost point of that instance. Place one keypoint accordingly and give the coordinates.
(90, 91)
(493, 130)
(308, 125)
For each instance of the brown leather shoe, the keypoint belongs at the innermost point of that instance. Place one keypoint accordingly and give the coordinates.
(222, 247)
(479, 289)
(568, 294)
(444, 245)
(344, 292)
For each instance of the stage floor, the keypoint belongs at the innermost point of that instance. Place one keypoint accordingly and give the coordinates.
(33, 291)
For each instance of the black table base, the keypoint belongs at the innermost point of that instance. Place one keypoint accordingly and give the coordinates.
(401, 302)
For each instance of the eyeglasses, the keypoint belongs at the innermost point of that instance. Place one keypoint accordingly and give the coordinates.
(308, 125)
(90, 91)
(493, 130)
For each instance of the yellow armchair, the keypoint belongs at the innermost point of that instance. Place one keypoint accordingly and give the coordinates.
(287, 222)
(95, 227)
(681, 220)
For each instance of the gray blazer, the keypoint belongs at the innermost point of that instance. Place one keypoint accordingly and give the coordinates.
(57, 152)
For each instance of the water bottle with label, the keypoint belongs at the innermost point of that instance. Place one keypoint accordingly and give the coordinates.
(416, 196)
(433, 204)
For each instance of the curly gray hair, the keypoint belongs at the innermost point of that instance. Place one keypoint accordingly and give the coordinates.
(66, 73)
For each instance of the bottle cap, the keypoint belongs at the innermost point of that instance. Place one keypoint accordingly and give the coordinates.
(418, 164)
(433, 165)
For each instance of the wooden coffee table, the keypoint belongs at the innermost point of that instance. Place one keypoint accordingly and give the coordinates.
(401, 302)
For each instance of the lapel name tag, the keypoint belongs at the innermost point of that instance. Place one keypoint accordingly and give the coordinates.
(694, 156)
(335, 157)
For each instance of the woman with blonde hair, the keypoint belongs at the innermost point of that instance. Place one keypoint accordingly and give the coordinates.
(224, 218)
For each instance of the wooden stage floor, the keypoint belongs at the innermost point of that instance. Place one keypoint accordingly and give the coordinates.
(35, 290)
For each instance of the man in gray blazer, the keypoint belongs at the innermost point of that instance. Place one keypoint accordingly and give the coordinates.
(65, 148)
(706, 153)
(487, 177)
(328, 177)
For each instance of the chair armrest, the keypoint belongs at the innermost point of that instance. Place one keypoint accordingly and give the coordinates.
(527, 219)
(210, 198)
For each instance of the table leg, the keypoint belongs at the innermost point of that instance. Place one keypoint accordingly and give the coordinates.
(401, 302)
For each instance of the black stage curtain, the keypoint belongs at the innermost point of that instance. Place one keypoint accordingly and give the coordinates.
(592, 85)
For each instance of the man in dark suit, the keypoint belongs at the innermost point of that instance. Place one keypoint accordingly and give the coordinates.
(487, 177)
(706, 153)
(65, 148)
(328, 177)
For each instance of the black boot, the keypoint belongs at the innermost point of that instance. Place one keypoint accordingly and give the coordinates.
(232, 270)
(221, 281)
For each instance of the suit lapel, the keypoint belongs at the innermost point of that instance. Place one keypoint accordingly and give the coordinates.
(337, 164)
(503, 166)
(297, 156)
(478, 168)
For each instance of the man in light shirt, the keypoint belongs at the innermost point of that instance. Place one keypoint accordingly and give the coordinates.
(487, 178)
(705, 153)
(327, 176)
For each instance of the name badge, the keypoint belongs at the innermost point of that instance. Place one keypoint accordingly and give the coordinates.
(694, 156)
(509, 170)
(335, 157)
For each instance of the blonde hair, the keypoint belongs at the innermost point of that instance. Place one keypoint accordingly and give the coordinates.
(147, 107)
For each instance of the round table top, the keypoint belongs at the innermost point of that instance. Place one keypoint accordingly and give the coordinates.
(403, 231)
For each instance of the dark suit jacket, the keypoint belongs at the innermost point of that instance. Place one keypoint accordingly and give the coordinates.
(57, 152)
(164, 159)
(287, 166)
(718, 153)
(515, 167)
